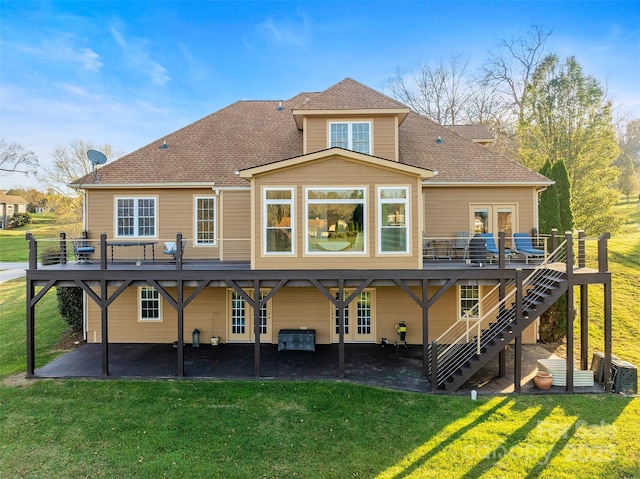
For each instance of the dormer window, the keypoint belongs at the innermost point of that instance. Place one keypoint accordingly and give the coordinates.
(354, 136)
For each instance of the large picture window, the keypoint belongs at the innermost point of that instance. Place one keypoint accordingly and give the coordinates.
(149, 304)
(135, 217)
(335, 220)
(278, 220)
(355, 136)
(205, 233)
(393, 206)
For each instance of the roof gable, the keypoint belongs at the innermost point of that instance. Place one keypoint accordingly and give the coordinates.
(333, 152)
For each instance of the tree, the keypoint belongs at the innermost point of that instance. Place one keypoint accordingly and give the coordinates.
(549, 205)
(70, 163)
(628, 180)
(14, 158)
(511, 66)
(439, 91)
(629, 160)
(567, 117)
(560, 175)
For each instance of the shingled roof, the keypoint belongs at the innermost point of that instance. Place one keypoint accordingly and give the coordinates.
(250, 133)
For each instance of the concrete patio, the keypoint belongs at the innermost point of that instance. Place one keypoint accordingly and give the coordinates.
(373, 365)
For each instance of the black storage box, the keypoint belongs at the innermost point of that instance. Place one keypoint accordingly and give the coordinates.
(297, 340)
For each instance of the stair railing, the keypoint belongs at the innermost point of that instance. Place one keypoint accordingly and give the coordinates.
(454, 344)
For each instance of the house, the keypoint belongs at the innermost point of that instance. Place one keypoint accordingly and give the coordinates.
(10, 205)
(315, 213)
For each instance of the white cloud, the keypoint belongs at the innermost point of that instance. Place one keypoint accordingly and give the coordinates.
(61, 48)
(283, 34)
(136, 55)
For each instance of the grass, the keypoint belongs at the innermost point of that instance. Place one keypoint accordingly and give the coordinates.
(276, 429)
(14, 246)
(153, 429)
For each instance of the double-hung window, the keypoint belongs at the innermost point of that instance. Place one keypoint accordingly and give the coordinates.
(393, 207)
(335, 220)
(149, 305)
(205, 207)
(278, 221)
(136, 217)
(355, 136)
(469, 302)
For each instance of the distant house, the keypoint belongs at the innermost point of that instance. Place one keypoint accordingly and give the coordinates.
(9, 205)
(340, 212)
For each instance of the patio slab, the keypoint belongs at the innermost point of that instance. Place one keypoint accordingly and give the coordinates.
(369, 364)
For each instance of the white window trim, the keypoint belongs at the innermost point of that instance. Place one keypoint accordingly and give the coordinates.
(149, 320)
(459, 303)
(350, 124)
(291, 202)
(135, 227)
(407, 217)
(196, 241)
(345, 201)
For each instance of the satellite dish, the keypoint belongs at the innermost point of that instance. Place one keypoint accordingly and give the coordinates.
(96, 157)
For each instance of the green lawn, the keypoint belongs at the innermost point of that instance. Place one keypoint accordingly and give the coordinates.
(276, 429)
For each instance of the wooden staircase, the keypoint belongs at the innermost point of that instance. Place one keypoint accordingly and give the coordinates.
(461, 352)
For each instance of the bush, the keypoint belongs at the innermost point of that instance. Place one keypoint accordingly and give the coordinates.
(553, 322)
(19, 219)
(70, 305)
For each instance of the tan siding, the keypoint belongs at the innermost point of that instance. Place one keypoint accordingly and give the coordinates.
(236, 225)
(384, 133)
(316, 134)
(384, 138)
(175, 213)
(336, 171)
(446, 210)
(209, 314)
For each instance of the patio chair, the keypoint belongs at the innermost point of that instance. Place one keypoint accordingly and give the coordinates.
(524, 246)
(492, 249)
(428, 249)
(170, 247)
(461, 244)
(82, 249)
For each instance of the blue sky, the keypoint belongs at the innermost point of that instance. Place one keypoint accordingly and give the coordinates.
(127, 73)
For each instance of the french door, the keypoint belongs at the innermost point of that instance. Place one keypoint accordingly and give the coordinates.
(240, 318)
(359, 318)
(491, 218)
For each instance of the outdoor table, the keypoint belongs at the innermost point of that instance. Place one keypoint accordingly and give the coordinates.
(144, 245)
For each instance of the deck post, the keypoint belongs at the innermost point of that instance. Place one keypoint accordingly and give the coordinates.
(256, 327)
(517, 352)
(105, 327)
(502, 363)
(33, 251)
(434, 366)
(581, 249)
(179, 250)
(570, 313)
(31, 322)
(103, 251)
(30, 307)
(180, 307)
(603, 267)
(341, 328)
(554, 238)
(607, 336)
(584, 327)
(425, 326)
(63, 247)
